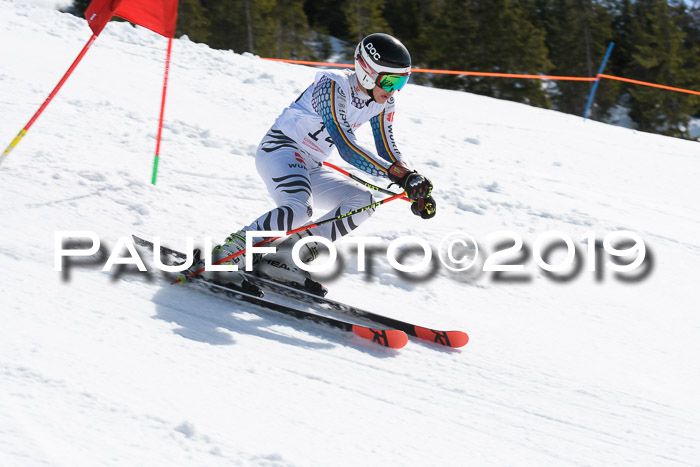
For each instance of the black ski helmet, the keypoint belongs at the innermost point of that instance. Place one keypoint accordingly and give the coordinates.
(378, 55)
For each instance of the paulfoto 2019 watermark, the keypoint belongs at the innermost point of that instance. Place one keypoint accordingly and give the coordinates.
(504, 254)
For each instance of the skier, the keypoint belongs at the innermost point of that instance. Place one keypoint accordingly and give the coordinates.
(289, 160)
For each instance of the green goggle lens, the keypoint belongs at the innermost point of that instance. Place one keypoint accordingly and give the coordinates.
(391, 83)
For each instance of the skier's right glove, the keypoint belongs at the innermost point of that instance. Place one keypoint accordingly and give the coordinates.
(424, 207)
(414, 184)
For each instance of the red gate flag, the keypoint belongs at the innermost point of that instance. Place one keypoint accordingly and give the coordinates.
(99, 12)
(159, 16)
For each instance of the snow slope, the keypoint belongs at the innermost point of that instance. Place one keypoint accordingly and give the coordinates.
(104, 370)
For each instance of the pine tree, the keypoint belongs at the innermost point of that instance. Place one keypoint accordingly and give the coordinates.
(328, 17)
(661, 55)
(265, 27)
(364, 17)
(578, 33)
(291, 30)
(622, 12)
(227, 26)
(191, 20)
(691, 26)
(451, 44)
(491, 36)
(411, 21)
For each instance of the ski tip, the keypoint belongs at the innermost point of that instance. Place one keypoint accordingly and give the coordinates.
(387, 337)
(447, 338)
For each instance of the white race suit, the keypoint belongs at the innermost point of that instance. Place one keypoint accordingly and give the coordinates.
(289, 158)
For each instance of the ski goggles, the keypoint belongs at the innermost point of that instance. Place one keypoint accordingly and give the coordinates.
(392, 82)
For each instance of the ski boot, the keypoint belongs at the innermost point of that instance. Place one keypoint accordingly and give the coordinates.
(280, 266)
(236, 279)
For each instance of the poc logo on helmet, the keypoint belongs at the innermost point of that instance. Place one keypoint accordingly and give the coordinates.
(372, 51)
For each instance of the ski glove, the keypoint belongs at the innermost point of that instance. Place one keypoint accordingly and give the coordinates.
(414, 184)
(424, 207)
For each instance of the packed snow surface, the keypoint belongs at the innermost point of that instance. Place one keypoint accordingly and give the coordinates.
(107, 368)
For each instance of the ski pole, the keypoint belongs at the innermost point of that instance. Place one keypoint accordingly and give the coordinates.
(304, 227)
(363, 182)
(359, 180)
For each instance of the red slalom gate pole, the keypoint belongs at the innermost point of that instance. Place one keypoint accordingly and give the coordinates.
(156, 158)
(48, 100)
(181, 279)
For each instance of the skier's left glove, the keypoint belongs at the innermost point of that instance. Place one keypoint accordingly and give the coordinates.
(414, 184)
(424, 207)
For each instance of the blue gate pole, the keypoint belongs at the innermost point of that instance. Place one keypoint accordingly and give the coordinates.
(595, 84)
